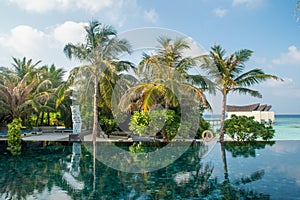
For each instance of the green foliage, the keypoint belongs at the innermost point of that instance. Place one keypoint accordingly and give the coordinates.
(203, 125)
(242, 128)
(139, 122)
(146, 123)
(107, 124)
(14, 137)
(185, 129)
(137, 147)
(246, 149)
(29, 123)
(165, 121)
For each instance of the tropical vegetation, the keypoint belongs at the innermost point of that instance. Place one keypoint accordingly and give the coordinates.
(99, 52)
(14, 137)
(228, 74)
(32, 92)
(243, 128)
(158, 96)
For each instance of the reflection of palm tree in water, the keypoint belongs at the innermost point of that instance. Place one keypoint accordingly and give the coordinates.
(231, 190)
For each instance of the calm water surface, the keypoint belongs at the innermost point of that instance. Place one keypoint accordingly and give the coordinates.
(246, 171)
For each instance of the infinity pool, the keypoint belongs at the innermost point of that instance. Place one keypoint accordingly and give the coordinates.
(242, 171)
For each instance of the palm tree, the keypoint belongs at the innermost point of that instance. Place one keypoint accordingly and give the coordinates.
(21, 87)
(100, 50)
(21, 67)
(165, 75)
(229, 76)
(15, 94)
(54, 88)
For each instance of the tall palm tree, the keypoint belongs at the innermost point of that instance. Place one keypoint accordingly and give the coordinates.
(100, 50)
(21, 67)
(229, 76)
(165, 75)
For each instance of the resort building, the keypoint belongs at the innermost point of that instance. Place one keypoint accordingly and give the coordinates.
(261, 113)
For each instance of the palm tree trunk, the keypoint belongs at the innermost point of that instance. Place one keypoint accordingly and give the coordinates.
(224, 160)
(223, 117)
(95, 123)
(42, 119)
(48, 118)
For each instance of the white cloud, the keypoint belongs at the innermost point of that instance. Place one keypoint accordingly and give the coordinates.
(220, 12)
(248, 3)
(41, 6)
(151, 15)
(94, 5)
(291, 57)
(195, 49)
(70, 32)
(122, 11)
(113, 11)
(26, 41)
(286, 83)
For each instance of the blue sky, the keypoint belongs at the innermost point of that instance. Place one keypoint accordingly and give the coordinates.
(39, 30)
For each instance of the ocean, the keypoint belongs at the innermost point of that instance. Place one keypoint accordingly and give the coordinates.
(287, 127)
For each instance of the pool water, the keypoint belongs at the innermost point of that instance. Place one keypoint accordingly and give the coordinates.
(261, 170)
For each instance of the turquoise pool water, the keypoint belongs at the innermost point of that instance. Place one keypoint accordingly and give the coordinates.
(252, 171)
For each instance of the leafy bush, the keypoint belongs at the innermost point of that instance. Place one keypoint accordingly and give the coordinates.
(163, 121)
(203, 125)
(29, 123)
(107, 124)
(14, 137)
(242, 128)
(139, 123)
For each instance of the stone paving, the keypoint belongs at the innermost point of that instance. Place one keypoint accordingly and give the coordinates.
(47, 137)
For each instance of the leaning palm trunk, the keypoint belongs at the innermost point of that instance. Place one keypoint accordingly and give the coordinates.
(224, 161)
(223, 118)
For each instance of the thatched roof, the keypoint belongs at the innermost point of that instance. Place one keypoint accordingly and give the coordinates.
(262, 107)
(248, 108)
(268, 108)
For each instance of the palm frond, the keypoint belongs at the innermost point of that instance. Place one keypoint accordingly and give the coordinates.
(247, 91)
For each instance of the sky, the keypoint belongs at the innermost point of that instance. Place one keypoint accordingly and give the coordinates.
(39, 30)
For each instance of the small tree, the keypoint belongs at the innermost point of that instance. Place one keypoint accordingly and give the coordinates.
(139, 123)
(14, 137)
(147, 123)
(108, 124)
(242, 128)
(203, 125)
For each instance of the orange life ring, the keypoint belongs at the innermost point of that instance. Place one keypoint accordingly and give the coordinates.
(207, 135)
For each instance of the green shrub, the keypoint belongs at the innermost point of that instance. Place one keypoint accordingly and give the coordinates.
(150, 123)
(203, 125)
(139, 122)
(164, 121)
(29, 123)
(14, 137)
(107, 124)
(242, 128)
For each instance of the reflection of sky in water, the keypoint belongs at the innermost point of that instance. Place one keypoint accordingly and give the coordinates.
(44, 170)
(280, 163)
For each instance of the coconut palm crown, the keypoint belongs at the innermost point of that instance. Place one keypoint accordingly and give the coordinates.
(164, 79)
